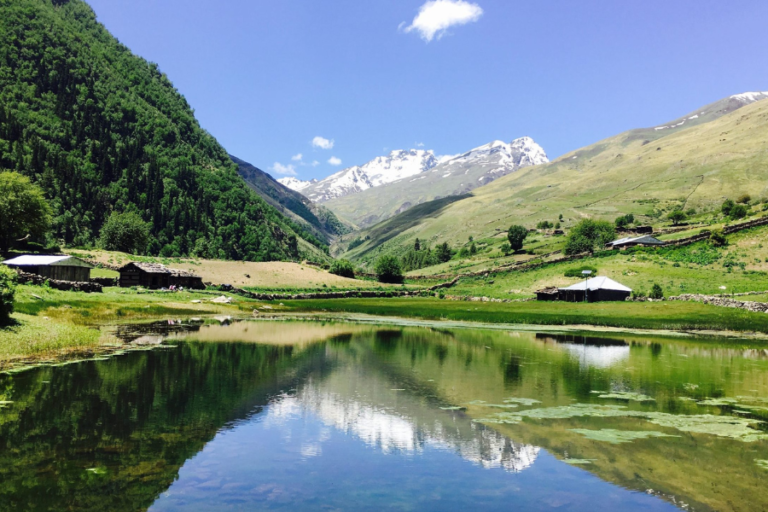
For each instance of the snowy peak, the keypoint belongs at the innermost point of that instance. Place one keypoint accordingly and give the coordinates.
(381, 170)
(296, 184)
(750, 97)
(522, 152)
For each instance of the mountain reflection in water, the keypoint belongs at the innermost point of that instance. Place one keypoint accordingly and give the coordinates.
(308, 415)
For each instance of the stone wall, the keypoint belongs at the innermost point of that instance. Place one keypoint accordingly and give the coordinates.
(88, 287)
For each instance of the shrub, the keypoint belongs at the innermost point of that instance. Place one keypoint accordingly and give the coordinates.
(127, 232)
(516, 236)
(656, 292)
(727, 207)
(7, 292)
(576, 272)
(545, 224)
(677, 216)
(464, 252)
(744, 199)
(588, 234)
(388, 270)
(739, 211)
(624, 220)
(343, 268)
(717, 238)
(473, 249)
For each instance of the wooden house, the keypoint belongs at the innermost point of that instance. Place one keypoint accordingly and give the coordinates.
(59, 268)
(155, 276)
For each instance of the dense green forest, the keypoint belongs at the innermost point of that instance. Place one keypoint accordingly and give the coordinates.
(102, 130)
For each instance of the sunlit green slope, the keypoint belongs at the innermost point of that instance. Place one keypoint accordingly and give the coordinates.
(646, 172)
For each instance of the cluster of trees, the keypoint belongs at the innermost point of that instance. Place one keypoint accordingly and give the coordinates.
(24, 211)
(736, 210)
(588, 235)
(423, 256)
(624, 221)
(343, 268)
(388, 270)
(101, 130)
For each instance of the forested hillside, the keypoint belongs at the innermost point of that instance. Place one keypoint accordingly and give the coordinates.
(316, 221)
(103, 130)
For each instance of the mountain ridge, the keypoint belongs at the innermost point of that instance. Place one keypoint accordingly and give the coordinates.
(697, 166)
(455, 175)
(318, 220)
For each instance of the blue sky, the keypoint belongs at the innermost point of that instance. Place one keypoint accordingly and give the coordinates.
(266, 78)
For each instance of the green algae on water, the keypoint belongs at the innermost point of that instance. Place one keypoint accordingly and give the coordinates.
(614, 436)
(762, 463)
(719, 402)
(521, 401)
(629, 396)
(453, 408)
(740, 429)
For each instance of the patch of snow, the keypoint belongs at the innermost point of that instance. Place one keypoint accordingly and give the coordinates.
(750, 97)
(295, 184)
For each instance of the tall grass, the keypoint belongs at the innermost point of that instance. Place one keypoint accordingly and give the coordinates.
(678, 316)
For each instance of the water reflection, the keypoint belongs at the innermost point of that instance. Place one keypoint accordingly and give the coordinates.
(295, 415)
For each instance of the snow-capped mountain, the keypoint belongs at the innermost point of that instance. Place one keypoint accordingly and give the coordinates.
(296, 184)
(453, 176)
(379, 171)
(750, 97)
(522, 152)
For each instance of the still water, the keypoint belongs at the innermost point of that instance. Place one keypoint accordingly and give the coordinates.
(309, 416)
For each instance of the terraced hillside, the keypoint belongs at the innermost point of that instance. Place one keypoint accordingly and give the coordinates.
(693, 165)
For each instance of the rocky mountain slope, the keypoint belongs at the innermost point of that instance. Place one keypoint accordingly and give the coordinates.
(318, 220)
(450, 177)
(721, 154)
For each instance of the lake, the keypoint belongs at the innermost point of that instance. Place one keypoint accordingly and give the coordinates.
(300, 415)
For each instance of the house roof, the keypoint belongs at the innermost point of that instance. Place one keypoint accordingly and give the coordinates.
(157, 268)
(647, 239)
(150, 268)
(34, 260)
(599, 283)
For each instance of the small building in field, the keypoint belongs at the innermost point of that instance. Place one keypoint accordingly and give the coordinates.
(58, 268)
(547, 294)
(597, 289)
(637, 241)
(155, 276)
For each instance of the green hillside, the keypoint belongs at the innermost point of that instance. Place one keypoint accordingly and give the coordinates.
(103, 130)
(318, 221)
(645, 172)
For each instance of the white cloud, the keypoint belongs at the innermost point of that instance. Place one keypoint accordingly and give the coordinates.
(285, 170)
(315, 163)
(297, 158)
(334, 161)
(322, 143)
(437, 16)
(419, 144)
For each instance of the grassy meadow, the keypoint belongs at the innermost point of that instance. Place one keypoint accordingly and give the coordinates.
(670, 316)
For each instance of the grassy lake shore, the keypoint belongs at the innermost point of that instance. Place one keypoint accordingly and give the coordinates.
(49, 322)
